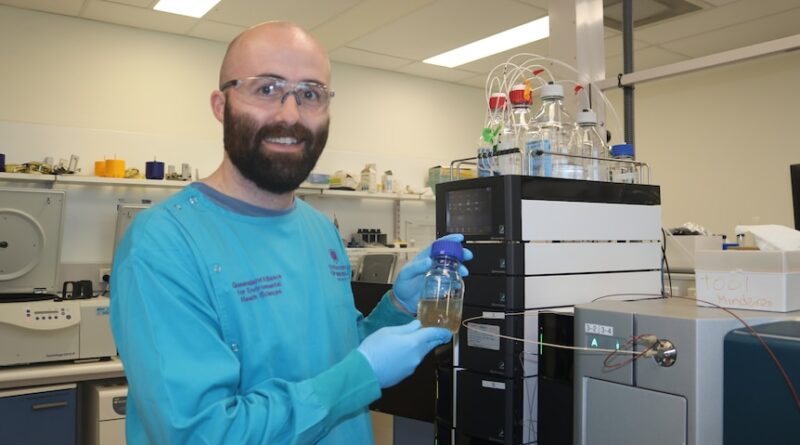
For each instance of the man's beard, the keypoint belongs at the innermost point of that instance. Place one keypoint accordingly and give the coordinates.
(273, 172)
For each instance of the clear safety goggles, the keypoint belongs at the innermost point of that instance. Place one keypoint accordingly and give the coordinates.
(272, 91)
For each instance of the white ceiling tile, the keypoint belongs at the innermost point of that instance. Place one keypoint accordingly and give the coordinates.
(221, 32)
(613, 45)
(363, 18)
(757, 31)
(444, 25)
(306, 13)
(139, 3)
(543, 4)
(703, 21)
(138, 17)
(65, 7)
(364, 58)
(435, 72)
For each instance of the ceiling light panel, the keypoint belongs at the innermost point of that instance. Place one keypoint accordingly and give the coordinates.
(444, 25)
(194, 8)
(529, 32)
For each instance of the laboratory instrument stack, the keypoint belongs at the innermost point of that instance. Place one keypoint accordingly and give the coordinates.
(538, 243)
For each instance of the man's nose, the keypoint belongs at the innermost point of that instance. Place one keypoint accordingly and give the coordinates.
(289, 110)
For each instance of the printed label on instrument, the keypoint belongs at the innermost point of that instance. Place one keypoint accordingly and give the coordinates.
(493, 385)
(494, 315)
(484, 336)
(598, 329)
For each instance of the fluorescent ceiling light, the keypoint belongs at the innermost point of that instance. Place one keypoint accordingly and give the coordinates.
(192, 8)
(530, 32)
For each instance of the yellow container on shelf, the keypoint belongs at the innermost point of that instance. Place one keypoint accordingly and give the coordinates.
(99, 168)
(115, 168)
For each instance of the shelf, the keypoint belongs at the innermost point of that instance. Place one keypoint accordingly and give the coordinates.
(90, 180)
(95, 180)
(368, 195)
(304, 190)
(25, 177)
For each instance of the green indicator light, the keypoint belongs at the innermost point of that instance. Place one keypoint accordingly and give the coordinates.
(541, 348)
(617, 345)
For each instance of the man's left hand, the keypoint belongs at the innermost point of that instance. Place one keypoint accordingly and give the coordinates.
(410, 280)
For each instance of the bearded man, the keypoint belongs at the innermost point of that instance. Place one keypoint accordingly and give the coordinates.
(231, 303)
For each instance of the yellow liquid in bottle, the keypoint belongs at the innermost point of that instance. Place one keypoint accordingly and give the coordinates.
(442, 313)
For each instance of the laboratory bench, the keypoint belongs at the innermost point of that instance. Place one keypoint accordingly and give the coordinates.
(56, 373)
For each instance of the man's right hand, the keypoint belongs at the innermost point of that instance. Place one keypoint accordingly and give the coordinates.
(394, 352)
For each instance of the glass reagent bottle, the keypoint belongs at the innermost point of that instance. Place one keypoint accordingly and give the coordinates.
(443, 291)
(624, 172)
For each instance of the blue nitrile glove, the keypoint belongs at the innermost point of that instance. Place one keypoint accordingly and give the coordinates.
(409, 283)
(394, 352)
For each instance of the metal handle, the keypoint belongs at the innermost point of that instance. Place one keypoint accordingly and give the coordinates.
(40, 406)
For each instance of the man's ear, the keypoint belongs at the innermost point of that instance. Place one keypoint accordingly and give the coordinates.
(218, 105)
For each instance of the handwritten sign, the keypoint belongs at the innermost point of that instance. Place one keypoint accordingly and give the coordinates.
(749, 290)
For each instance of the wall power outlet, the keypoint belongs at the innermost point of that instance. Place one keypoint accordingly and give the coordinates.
(104, 275)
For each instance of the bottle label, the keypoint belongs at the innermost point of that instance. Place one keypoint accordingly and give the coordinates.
(484, 161)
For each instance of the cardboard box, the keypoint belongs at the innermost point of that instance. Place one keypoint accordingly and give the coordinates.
(749, 279)
(681, 249)
(439, 174)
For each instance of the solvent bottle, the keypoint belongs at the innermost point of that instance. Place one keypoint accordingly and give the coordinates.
(443, 291)
(586, 141)
(511, 159)
(552, 136)
(623, 171)
(490, 137)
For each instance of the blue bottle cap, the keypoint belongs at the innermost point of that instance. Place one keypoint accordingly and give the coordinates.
(622, 150)
(447, 247)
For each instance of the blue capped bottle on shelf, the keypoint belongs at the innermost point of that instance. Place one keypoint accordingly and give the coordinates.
(624, 171)
(443, 288)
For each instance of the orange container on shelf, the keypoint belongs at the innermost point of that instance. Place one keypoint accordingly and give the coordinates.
(99, 168)
(115, 168)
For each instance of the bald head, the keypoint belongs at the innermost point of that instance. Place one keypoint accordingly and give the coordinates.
(276, 48)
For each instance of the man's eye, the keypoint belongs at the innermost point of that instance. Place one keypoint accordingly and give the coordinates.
(311, 94)
(269, 89)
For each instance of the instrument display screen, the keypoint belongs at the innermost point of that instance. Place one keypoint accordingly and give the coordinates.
(469, 211)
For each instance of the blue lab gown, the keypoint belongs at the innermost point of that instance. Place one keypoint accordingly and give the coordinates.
(239, 328)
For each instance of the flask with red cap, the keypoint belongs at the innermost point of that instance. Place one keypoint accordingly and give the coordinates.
(490, 142)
